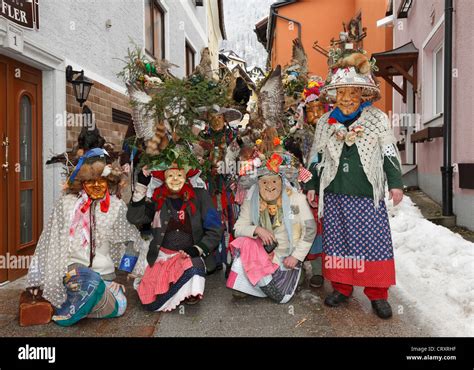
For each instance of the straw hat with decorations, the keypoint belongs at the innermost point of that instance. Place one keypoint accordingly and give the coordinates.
(351, 70)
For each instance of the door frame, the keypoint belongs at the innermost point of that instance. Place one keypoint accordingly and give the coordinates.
(29, 75)
(53, 65)
(3, 180)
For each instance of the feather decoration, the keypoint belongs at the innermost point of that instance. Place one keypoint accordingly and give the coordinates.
(272, 99)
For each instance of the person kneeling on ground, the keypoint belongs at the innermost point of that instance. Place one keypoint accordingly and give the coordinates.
(74, 261)
(186, 230)
(274, 231)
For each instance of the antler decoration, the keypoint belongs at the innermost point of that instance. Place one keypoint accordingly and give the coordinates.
(320, 49)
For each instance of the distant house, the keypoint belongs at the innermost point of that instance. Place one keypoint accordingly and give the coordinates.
(256, 74)
(232, 59)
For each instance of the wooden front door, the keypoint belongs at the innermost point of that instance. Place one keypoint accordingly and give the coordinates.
(21, 172)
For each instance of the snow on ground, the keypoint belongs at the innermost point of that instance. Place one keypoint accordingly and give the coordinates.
(435, 270)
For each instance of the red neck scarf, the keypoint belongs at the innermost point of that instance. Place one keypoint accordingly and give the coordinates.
(104, 203)
(186, 194)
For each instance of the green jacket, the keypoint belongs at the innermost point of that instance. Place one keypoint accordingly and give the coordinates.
(351, 178)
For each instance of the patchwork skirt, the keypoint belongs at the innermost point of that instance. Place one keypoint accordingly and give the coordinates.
(88, 295)
(171, 280)
(254, 273)
(357, 243)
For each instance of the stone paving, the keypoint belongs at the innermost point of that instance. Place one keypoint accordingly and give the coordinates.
(219, 314)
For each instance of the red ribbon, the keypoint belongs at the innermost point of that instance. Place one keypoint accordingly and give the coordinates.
(186, 194)
(104, 203)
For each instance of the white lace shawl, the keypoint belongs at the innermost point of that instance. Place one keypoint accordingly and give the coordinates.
(49, 263)
(376, 142)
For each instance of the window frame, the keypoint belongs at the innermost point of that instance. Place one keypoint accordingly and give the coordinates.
(155, 4)
(432, 42)
(188, 47)
(436, 50)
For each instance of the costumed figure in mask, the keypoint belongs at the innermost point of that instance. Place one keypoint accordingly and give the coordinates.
(219, 136)
(186, 229)
(274, 232)
(84, 240)
(353, 157)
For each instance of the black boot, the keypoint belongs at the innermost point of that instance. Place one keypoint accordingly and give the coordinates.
(335, 299)
(316, 281)
(382, 308)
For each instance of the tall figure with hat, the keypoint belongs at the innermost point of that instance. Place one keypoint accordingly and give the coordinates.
(352, 158)
(86, 236)
(221, 137)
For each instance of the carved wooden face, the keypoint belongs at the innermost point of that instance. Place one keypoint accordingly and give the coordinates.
(272, 209)
(314, 111)
(96, 189)
(217, 122)
(175, 179)
(270, 187)
(348, 99)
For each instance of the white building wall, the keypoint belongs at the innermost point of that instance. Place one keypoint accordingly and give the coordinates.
(74, 32)
(214, 33)
(77, 31)
(184, 21)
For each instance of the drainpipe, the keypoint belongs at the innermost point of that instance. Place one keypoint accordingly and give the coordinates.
(275, 14)
(447, 169)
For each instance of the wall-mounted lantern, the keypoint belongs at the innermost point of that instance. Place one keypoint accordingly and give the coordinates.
(80, 84)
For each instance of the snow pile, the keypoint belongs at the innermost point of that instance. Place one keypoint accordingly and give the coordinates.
(435, 270)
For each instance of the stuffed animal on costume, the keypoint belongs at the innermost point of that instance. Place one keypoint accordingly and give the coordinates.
(357, 60)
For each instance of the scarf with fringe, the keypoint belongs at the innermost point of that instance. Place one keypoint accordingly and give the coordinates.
(375, 141)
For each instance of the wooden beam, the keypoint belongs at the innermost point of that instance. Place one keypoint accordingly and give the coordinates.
(395, 86)
(426, 134)
(415, 76)
(402, 71)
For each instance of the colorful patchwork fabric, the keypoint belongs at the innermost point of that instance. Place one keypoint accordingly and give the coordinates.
(276, 283)
(181, 289)
(357, 243)
(84, 290)
(88, 296)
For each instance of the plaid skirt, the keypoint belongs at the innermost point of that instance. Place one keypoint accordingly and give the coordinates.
(357, 243)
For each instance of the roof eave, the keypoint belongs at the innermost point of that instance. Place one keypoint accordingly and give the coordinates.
(271, 20)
